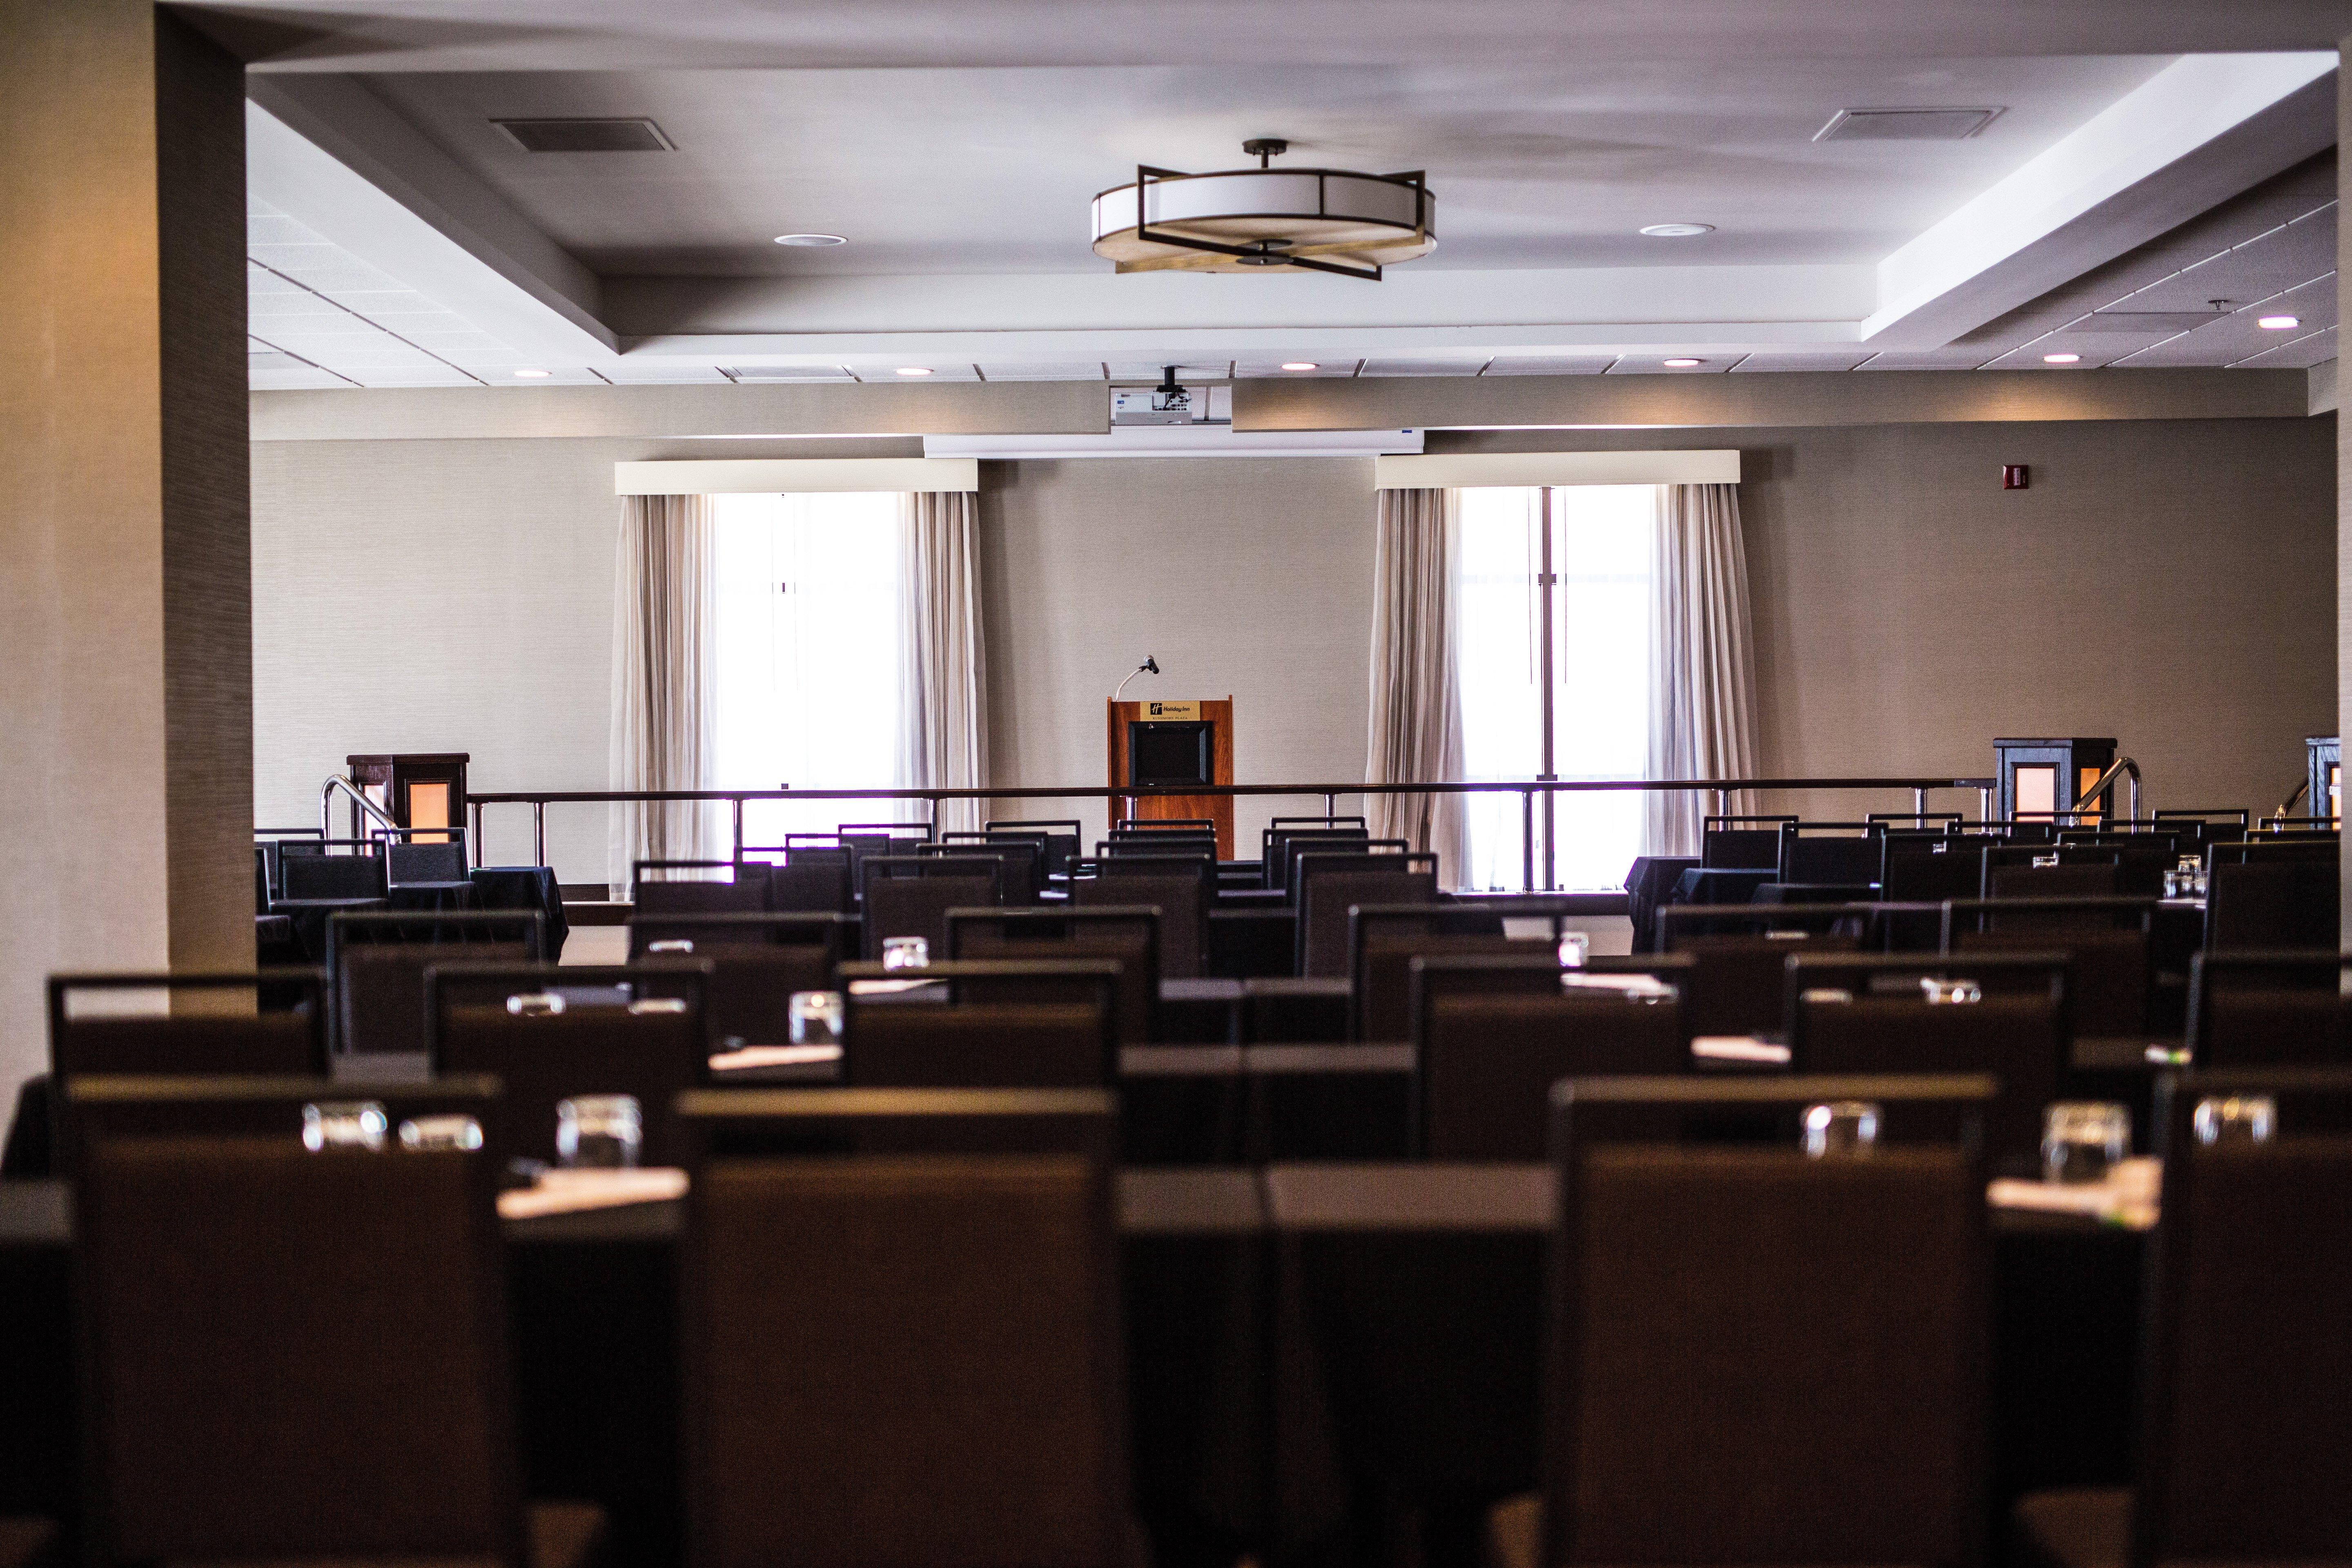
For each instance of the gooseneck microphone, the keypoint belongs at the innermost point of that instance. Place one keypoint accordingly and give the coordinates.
(1150, 665)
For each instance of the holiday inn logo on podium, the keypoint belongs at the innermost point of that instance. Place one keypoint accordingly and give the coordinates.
(1172, 709)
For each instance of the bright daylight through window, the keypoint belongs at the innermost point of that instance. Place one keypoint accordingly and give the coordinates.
(808, 655)
(1555, 671)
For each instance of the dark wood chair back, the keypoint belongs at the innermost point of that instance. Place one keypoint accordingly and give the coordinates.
(1484, 1069)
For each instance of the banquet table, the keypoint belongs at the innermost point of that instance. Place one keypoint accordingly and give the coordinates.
(1321, 1358)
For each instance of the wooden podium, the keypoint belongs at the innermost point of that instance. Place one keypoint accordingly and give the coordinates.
(1170, 745)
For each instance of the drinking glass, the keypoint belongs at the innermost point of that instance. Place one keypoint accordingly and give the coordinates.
(1947, 992)
(1834, 1127)
(816, 1017)
(424, 1134)
(1574, 947)
(2236, 1119)
(906, 952)
(538, 1005)
(343, 1124)
(2082, 1141)
(599, 1131)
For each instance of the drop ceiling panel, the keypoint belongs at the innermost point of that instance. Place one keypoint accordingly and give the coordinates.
(1784, 361)
(1262, 370)
(2226, 339)
(1554, 364)
(1960, 357)
(301, 379)
(1448, 364)
(1133, 370)
(2292, 253)
(884, 372)
(660, 374)
(2096, 349)
(1656, 365)
(2317, 348)
(1043, 371)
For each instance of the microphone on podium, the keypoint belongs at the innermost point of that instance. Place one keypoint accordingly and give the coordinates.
(1150, 665)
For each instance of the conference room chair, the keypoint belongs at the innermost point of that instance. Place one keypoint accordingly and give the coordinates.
(2269, 1009)
(1049, 1023)
(1831, 854)
(2106, 939)
(1484, 1065)
(291, 1356)
(186, 1024)
(106, 1106)
(813, 879)
(1124, 934)
(271, 845)
(1326, 885)
(1433, 977)
(755, 964)
(1023, 861)
(910, 895)
(1738, 954)
(1060, 848)
(1741, 843)
(1153, 846)
(554, 1034)
(1183, 888)
(1948, 866)
(744, 889)
(313, 870)
(30, 1543)
(2012, 873)
(2245, 1372)
(408, 863)
(2272, 905)
(1384, 939)
(1283, 844)
(1757, 1356)
(1871, 1015)
(376, 963)
(908, 1355)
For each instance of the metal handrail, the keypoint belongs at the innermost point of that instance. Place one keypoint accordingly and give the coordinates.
(327, 807)
(2120, 765)
(1526, 789)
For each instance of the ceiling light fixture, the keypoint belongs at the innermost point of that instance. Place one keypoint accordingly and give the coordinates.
(1300, 364)
(1678, 230)
(2279, 323)
(2061, 359)
(914, 369)
(1265, 219)
(534, 375)
(1682, 363)
(810, 239)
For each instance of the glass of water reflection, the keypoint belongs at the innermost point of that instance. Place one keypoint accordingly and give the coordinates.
(1842, 1127)
(343, 1124)
(2082, 1141)
(599, 1131)
(2236, 1119)
(816, 1017)
(906, 952)
(426, 1134)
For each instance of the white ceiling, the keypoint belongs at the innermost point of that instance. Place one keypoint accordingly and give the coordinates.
(400, 240)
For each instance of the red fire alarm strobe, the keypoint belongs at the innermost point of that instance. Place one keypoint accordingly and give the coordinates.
(2013, 477)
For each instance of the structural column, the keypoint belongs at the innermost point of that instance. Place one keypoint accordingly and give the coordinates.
(2343, 469)
(126, 661)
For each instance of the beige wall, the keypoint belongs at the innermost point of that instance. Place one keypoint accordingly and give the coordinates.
(2169, 584)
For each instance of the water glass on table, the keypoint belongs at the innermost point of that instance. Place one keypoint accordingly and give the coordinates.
(815, 1017)
(906, 952)
(343, 1124)
(2083, 1140)
(2243, 1120)
(599, 1131)
(1842, 1127)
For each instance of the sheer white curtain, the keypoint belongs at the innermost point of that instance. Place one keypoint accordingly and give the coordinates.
(665, 689)
(1702, 661)
(942, 677)
(1415, 731)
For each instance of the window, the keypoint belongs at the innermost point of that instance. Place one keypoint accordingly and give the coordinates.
(1555, 670)
(808, 655)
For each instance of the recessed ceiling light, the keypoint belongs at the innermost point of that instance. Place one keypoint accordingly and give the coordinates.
(1682, 363)
(2061, 359)
(1300, 364)
(2279, 323)
(534, 375)
(811, 239)
(914, 369)
(1678, 230)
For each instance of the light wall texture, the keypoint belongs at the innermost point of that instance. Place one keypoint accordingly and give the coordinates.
(2170, 584)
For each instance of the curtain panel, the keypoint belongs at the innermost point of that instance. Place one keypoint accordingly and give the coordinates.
(942, 679)
(665, 685)
(1415, 731)
(1702, 662)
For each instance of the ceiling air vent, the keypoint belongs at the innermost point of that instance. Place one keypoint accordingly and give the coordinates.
(1905, 124)
(587, 135)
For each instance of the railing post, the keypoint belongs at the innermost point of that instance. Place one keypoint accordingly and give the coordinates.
(1984, 804)
(1330, 806)
(1919, 803)
(539, 833)
(738, 856)
(476, 807)
(1526, 841)
(1551, 842)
